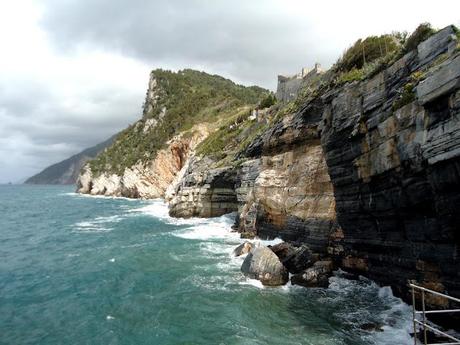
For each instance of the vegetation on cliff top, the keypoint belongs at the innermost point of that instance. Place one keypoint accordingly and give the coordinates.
(180, 101)
(235, 132)
(365, 58)
(190, 97)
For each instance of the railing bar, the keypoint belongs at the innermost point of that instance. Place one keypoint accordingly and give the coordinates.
(435, 293)
(437, 330)
(444, 343)
(413, 313)
(439, 311)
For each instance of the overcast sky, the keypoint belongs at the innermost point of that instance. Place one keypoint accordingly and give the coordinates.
(74, 72)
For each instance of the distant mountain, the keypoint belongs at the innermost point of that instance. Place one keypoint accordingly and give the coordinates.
(66, 172)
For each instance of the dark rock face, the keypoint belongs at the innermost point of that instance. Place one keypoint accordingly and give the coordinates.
(264, 265)
(396, 171)
(204, 192)
(295, 259)
(315, 276)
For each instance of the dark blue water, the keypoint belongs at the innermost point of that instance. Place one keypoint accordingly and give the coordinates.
(85, 270)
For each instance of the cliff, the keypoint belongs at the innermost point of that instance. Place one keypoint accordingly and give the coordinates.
(392, 146)
(363, 166)
(67, 171)
(180, 110)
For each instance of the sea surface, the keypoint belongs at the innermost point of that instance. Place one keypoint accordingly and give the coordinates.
(93, 270)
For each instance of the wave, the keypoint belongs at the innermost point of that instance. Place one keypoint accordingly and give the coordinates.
(97, 224)
(109, 197)
(355, 301)
(367, 301)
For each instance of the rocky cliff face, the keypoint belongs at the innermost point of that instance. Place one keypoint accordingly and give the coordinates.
(204, 192)
(179, 110)
(367, 172)
(284, 188)
(395, 168)
(144, 180)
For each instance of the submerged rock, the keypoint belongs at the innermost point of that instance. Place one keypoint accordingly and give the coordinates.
(264, 265)
(243, 248)
(316, 276)
(295, 259)
(371, 327)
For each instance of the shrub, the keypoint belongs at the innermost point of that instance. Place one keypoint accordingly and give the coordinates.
(366, 51)
(268, 101)
(420, 34)
(408, 92)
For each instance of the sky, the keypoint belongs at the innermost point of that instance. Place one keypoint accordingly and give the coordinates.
(74, 72)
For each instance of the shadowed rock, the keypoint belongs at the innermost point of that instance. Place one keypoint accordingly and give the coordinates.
(295, 259)
(316, 276)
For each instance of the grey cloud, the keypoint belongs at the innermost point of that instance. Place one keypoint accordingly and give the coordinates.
(37, 130)
(250, 41)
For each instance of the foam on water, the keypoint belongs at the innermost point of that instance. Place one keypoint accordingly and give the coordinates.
(108, 197)
(394, 317)
(216, 242)
(98, 224)
(178, 275)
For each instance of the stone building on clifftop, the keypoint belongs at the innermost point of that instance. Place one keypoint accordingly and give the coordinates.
(289, 86)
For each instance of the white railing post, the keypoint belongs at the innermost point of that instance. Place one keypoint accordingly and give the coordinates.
(424, 318)
(413, 315)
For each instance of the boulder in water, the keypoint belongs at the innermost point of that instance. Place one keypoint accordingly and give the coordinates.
(243, 248)
(371, 327)
(264, 265)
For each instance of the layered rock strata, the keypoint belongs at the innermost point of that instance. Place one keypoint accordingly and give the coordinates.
(284, 189)
(395, 169)
(204, 191)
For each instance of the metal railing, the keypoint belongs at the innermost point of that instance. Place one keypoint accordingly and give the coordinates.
(424, 323)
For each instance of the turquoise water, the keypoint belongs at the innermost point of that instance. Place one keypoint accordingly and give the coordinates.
(85, 270)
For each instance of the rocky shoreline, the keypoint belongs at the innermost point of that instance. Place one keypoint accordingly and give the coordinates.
(363, 176)
(276, 265)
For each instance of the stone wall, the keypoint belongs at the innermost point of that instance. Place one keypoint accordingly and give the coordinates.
(289, 86)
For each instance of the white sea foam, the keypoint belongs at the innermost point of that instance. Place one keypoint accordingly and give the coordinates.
(395, 317)
(156, 208)
(97, 224)
(79, 195)
(253, 282)
(208, 229)
(112, 260)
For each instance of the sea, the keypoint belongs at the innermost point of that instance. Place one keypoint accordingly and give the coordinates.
(77, 269)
